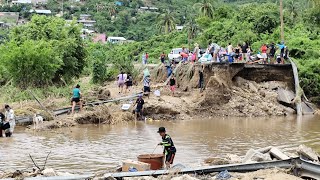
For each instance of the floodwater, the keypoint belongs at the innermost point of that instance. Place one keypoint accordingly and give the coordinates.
(92, 149)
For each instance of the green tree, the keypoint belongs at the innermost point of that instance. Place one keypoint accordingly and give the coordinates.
(205, 8)
(192, 30)
(167, 22)
(112, 9)
(61, 38)
(31, 63)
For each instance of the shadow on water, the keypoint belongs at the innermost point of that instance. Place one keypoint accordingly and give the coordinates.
(91, 148)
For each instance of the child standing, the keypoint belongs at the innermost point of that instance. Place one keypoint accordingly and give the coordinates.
(172, 84)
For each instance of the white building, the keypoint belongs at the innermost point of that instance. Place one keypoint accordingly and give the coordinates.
(21, 2)
(179, 28)
(116, 39)
(40, 11)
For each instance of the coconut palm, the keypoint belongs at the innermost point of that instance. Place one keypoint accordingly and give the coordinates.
(166, 22)
(292, 10)
(205, 8)
(112, 9)
(192, 30)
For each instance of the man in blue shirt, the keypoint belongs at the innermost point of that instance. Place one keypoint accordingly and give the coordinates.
(282, 47)
(76, 95)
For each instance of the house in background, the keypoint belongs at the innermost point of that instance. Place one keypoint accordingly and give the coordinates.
(179, 28)
(115, 40)
(85, 20)
(99, 38)
(8, 19)
(40, 11)
(16, 2)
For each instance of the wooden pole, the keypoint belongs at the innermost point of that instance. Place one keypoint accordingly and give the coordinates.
(281, 21)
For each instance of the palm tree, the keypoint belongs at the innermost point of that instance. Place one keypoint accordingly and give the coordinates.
(112, 9)
(316, 3)
(192, 30)
(293, 10)
(167, 22)
(205, 8)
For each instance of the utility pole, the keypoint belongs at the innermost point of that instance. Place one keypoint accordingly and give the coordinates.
(281, 21)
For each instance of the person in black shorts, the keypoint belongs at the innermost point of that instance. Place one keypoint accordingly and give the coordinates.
(272, 52)
(169, 149)
(146, 85)
(139, 108)
(128, 82)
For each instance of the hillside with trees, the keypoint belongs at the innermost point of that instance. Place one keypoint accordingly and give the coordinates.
(55, 53)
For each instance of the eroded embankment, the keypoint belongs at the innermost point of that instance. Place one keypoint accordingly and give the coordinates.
(228, 93)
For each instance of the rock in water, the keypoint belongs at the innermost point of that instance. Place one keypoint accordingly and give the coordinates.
(49, 172)
(308, 153)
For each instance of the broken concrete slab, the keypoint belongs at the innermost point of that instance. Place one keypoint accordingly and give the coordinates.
(265, 149)
(278, 154)
(255, 156)
(308, 153)
(285, 96)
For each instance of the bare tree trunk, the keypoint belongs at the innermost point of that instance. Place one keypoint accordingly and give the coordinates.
(281, 21)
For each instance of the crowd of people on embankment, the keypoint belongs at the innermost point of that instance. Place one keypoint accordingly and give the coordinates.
(241, 53)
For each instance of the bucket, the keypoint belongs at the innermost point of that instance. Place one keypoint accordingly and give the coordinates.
(155, 160)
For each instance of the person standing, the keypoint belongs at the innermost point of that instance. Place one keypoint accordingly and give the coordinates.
(230, 52)
(76, 98)
(162, 57)
(169, 149)
(11, 119)
(121, 81)
(129, 82)
(139, 108)
(147, 58)
(264, 49)
(172, 84)
(146, 85)
(201, 80)
(237, 53)
(196, 51)
(272, 52)
(282, 48)
(2, 119)
(143, 58)
(244, 51)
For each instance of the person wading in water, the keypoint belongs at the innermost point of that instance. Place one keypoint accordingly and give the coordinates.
(76, 95)
(169, 149)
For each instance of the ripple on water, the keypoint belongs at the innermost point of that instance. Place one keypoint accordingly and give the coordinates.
(90, 148)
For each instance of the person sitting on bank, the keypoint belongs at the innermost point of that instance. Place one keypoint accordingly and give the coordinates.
(169, 149)
(139, 108)
(10, 121)
(76, 98)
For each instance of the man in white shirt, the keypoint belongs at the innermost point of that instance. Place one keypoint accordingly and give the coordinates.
(10, 117)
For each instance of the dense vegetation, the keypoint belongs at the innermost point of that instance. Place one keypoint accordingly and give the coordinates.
(46, 52)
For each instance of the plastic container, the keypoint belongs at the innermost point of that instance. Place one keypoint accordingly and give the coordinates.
(155, 160)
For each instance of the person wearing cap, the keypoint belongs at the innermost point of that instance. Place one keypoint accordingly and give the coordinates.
(169, 149)
(9, 118)
(76, 98)
(139, 108)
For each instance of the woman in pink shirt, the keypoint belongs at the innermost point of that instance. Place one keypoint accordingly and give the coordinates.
(264, 49)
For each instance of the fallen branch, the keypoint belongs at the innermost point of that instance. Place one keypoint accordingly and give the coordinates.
(34, 162)
(44, 166)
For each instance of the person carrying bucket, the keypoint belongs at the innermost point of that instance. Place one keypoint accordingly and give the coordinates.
(169, 149)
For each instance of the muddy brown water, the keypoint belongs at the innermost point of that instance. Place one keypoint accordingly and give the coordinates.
(92, 149)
